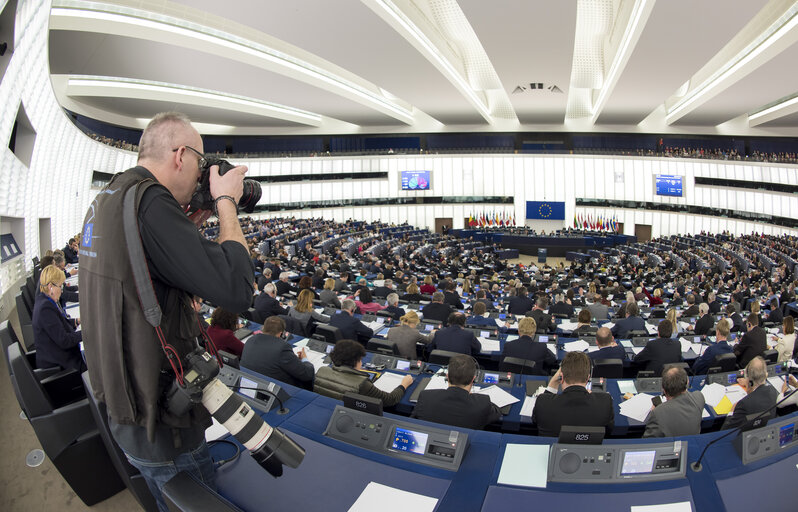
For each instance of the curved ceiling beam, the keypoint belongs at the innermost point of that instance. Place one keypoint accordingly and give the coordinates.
(253, 48)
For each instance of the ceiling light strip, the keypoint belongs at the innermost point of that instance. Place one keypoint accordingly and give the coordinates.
(145, 19)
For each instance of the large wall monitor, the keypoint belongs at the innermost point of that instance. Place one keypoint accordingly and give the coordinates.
(669, 185)
(617, 462)
(400, 439)
(415, 180)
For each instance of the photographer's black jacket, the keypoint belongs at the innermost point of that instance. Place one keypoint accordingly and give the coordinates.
(127, 366)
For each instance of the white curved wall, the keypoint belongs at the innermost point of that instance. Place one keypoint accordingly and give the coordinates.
(57, 185)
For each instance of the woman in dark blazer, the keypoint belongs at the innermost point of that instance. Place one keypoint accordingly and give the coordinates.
(57, 341)
(407, 335)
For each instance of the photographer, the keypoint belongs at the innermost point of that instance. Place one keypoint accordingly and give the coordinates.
(127, 361)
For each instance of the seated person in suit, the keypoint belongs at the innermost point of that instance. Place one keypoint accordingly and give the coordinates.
(482, 297)
(55, 335)
(270, 355)
(407, 335)
(598, 310)
(583, 327)
(266, 303)
(304, 313)
(383, 291)
(527, 347)
(660, 351)
(265, 278)
(328, 297)
(222, 330)
(575, 405)
(692, 309)
(456, 405)
(282, 285)
(437, 310)
(393, 306)
(543, 320)
(775, 314)
(721, 346)
(608, 349)
(451, 297)
(703, 325)
(351, 328)
(456, 339)
(680, 415)
(521, 303)
(737, 323)
(412, 294)
(632, 322)
(563, 306)
(478, 317)
(346, 375)
(760, 395)
(753, 343)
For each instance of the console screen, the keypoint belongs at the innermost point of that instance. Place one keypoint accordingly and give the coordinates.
(402, 365)
(638, 462)
(491, 378)
(786, 434)
(409, 441)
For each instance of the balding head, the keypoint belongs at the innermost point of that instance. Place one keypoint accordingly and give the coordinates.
(165, 132)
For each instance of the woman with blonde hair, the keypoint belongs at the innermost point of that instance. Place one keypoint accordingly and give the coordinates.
(671, 317)
(786, 344)
(328, 296)
(304, 312)
(406, 335)
(55, 335)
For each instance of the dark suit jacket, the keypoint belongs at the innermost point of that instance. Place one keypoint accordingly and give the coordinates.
(544, 322)
(707, 359)
(527, 348)
(574, 406)
(395, 311)
(436, 311)
(520, 305)
(274, 358)
(616, 352)
(351, 328)
(381, 292)
(268, 306)
(283, 287)
(691, 311)
(57, 342)
(715, 307)
(457, 407)
(452, 299)
(658, 353)
(456, 339)
(623, 326)
(754, 342)
(775, 316)
(759, 400)
(704, 325)
(562, 308)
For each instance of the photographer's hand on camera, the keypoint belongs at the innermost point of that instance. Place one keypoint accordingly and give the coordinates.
(226, 191)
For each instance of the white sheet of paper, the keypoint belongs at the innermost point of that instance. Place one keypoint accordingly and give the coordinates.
(316, 359)
(777, 382)
(388, 381)
(301, 343)
(637, 407)
(682, 506)
(608, 325)
(389, 499)
(637, 350)
(592, 349)
(318, 310)
(437, 382)
(489, 345)
(626, 343)
(704, 413)
(626, 386)
(215, 431)
(511, 337)
(735, 393)
(498, 396)
(552, 347)
(713, 393)
(685, 343)
(652, 329)
(576, 346)
(525, 464)
(567, 325)
(528, 406)
(684, 325)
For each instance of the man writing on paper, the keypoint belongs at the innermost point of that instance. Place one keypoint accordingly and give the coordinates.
(760, 397)
(681, 414)
(456, 405)
(576, 405)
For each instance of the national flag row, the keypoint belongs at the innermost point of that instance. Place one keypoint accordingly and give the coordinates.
(487, 219)
(596, 223)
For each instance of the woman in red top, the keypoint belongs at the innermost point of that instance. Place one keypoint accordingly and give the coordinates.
(362, 299)
(427, 288)
(222, 331)
(653, 300)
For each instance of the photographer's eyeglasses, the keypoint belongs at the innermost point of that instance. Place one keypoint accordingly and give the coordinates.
(200, 157)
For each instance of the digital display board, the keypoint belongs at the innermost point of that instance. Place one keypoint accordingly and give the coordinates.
(415, 180)
(409, 441)
(669, 185)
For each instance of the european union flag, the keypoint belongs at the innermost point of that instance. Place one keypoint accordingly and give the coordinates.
(546, 210)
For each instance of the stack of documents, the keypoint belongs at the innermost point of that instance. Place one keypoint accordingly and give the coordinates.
(437, 382)
(315, 358)
(608, 325)
(498, 396)
(567, 325)
(525, 464)
(388, 381)
(489, 345)
(576, 346)
(637, 407)
(722, 398)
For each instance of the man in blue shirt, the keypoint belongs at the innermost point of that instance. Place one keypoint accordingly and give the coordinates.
(707, 359)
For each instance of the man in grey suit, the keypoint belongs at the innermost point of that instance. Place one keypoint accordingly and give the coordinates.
(760, 396)
(681, 414)
(597, 309)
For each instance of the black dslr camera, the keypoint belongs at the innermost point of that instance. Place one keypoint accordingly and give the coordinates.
(202, 199)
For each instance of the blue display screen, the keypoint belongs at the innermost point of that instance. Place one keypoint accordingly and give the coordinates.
(409, 441)
(669, 185)
(491, 378)
(415, 180)
(786, 434)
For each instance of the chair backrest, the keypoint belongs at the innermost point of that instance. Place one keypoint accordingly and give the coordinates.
(520, 366)
(25, 314)
(637, 333)
(441, 356)
(32, 396)
(726, 362)
(7, 338)
(27, 298)
(771, 355)
(331, 334)
(608, 368)
(382, 346)
(293, 325)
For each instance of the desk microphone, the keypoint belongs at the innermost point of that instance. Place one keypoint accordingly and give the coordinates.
(696, 466)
